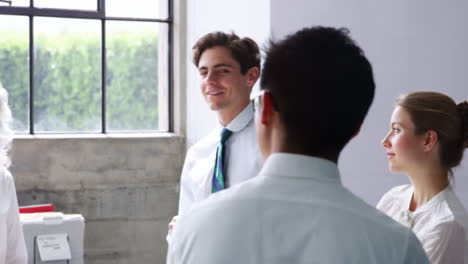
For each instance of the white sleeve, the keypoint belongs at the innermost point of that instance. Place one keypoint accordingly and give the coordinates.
(187, 195)
(385, 201)
(187, 192)
(170, 254)
(391, 199)
(381, 203)
(16, 248)
(445, 243)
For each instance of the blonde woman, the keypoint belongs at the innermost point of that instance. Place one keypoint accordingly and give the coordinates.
(12, 246)
(427, 138)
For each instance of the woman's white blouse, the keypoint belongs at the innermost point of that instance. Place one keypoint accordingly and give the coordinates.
(441, 224)
(12, 246)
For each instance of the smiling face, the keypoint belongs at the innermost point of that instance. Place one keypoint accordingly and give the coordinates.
(223, 86)
(405, 149)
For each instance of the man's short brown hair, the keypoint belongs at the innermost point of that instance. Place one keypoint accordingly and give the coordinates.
(244, 50)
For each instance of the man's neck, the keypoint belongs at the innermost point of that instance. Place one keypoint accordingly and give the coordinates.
(227, 115)
(331, 157)
(280, 143)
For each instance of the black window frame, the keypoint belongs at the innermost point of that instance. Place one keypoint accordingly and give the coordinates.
(99, 14)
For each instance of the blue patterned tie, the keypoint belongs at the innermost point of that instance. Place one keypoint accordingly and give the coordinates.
(219, 174)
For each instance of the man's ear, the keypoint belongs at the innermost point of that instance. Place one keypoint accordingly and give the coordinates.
(430, 140)
(267, 109)
(252, 76)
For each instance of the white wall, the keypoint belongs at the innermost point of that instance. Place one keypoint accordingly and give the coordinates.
(246, 18)
(412, 45)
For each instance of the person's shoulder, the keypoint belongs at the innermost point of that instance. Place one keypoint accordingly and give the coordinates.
(456, 207)
(400, 189)
(380, 225)
(448, 212)
(207, 142)
(218, 215)
(395, 194)
(5, 175)
(6, 182)
(235, 199)
(443, 229)
(221, 220)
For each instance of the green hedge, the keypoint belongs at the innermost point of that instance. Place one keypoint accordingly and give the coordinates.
(67, 81)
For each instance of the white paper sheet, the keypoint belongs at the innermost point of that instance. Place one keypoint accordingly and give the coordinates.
(53, 247)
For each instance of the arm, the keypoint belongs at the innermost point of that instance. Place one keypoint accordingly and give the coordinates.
(16, 248)
(186, 196)
(209, 235)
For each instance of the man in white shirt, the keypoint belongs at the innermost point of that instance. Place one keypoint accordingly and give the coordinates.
(228, 66)
(317, 87)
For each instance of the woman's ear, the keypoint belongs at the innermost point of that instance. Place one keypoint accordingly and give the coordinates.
(430, 140)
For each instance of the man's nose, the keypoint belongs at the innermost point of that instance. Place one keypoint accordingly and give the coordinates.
(211, 78)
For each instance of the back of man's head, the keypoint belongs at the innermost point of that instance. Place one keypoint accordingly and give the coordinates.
(322, 85)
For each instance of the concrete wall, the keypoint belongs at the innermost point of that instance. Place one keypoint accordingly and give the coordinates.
(126, 189)
(412, 45)
(246, 18)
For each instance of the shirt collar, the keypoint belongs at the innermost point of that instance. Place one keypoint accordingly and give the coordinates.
(301, 166)
(438, 198)
(241, 120)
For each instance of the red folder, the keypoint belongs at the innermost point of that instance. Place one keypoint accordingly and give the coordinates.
(37, 208)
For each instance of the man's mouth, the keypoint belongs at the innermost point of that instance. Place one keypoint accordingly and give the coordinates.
(214, 93)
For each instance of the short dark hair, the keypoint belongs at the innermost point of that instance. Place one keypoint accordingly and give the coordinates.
(323, 87)
(244, 50)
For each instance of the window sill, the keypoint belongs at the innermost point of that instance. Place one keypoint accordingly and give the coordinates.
(100, 136)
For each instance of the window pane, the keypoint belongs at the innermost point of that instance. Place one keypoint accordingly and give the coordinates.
(67, 75)
(67, 4)
(135, 60)
(14, 3)
(137, 8)
(14, 67)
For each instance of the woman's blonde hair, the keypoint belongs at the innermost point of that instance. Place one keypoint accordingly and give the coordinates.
(6, 133)
(438, 112)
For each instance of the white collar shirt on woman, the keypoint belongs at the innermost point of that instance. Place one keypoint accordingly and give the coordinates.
(242, 158)
(441, 224)
(295, 211)
(12, 245)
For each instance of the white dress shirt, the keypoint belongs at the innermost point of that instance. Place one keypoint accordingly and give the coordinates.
(12, 245)
(441, 224)
(295, 211)
(242, 158)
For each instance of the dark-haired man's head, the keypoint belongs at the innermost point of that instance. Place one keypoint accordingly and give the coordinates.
(229, 66)
(244, 50)
(318, 89)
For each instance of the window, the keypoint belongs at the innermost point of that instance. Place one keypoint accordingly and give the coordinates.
(89, 66)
